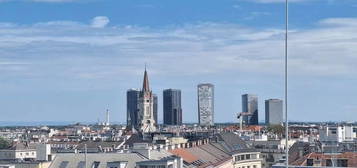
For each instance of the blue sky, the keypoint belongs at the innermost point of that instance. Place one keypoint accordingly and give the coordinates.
(70, 60)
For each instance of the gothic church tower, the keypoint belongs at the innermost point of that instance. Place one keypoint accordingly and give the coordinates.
(146, 110)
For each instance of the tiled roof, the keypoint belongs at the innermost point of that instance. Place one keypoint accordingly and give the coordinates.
(350, 156)
(218, 153)
(93, 144)
(185, 154)
(23, 146)
(71, 160)
(231, 142)
(203, 155)
(135, 138)
(157, 155)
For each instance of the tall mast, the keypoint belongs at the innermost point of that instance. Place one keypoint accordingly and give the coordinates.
(107, 117)
(286, 84)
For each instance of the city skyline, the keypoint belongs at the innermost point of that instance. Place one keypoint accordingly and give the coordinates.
(89, 59)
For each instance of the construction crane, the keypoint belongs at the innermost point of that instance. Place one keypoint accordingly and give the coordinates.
(240, 117)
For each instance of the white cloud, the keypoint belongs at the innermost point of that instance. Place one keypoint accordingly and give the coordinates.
(68, 55)
(327, 50)
(254, 15)
(339, 22)
(100, 21)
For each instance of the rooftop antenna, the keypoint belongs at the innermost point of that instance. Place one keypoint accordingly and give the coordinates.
(286, 84)
(107, 117)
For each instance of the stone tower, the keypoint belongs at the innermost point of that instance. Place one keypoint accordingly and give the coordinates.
(146, 107)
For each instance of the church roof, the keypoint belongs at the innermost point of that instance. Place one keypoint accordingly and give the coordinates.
(146, 82)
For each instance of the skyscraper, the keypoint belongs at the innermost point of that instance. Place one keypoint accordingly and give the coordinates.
(250, 106)
(132, 98)
(146, 107)
(205, 93)
(155, 108)
(273, 111)
(172, 107)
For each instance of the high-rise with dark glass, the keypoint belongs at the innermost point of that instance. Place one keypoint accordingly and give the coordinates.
(132, 97)
(205, 94)
(172, 107)
(273, 112)
(250, 106)
(155, 108)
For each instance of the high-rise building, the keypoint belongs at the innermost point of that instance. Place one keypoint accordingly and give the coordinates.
(273, 112)
(146, 107)
(205, 93)
(132, 98)
(155, 109)
(172, 107)
(250, 106)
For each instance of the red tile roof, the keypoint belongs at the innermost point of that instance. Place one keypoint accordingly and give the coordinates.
(186, 155)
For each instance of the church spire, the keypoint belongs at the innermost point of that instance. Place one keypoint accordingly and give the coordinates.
(146, 81)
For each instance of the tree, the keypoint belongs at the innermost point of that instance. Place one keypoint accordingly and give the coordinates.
(276, 129)
(4, 143)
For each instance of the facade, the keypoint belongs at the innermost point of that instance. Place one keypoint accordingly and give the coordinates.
(273, 112)
(27, 151)
(247, 160)
(155, 109)
(132, 98)
(20, 151)
(7, 166)
(347, 159)
(172, 107)
(146, 108)
(167, 162)
(205, 94)
(250, 106)
(328, 134)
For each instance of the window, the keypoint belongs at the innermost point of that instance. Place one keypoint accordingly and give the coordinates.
(328, 162)
(253, 156)
(254, 166)
(95, 164)
(116, 164)
(310, 162)
(242, 157)
(342, 163)
(248, 166)
(247, 157)
(237, 158)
